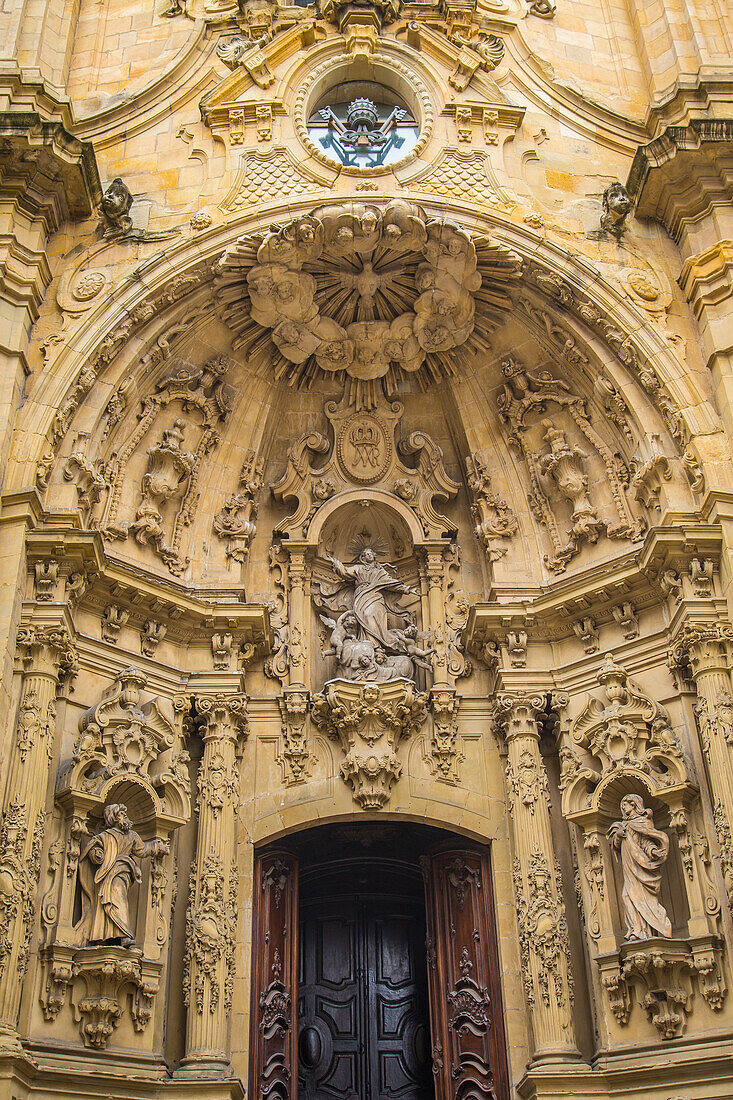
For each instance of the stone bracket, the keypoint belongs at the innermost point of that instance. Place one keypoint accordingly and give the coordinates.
(662, 970)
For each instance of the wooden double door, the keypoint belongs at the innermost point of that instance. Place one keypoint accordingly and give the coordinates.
(363, 1000)
(370, 986)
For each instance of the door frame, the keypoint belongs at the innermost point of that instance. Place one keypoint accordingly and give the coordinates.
(468, 1041)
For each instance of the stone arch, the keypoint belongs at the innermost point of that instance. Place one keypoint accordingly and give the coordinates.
(147, 306)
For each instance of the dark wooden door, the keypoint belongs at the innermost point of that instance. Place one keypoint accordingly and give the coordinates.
(274, 976)
(469, 1047)
(363, 1000)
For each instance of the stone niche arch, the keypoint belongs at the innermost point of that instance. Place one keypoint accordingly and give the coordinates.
(141, 321)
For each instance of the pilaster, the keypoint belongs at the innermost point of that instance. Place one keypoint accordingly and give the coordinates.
(544, 945)
(45, 653)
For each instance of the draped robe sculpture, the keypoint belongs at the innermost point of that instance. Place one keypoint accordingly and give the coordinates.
(643, 850)
(107, 870)
(364, 644)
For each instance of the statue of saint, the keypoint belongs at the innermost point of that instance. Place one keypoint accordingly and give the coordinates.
(365, 646)
(107, 870)
(644, 852)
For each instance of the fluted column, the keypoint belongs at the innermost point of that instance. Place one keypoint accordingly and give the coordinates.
(706, 646)
(212, 912)
(545, 951)
(46, 654)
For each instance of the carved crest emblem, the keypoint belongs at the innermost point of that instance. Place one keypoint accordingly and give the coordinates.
(364, 448)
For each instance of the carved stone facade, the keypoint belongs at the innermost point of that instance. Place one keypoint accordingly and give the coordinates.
(367, 442)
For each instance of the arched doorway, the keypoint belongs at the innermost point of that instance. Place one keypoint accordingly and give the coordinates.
(375, 967)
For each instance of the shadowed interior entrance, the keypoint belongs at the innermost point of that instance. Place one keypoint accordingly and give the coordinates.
(363, 1005)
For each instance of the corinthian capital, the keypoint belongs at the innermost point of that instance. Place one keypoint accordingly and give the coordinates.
(46, 649)
(518, 713)
(706, 645)
(222, 716)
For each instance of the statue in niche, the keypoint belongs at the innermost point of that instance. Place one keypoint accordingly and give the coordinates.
(107, 870)
(644, 852)
(365, 646)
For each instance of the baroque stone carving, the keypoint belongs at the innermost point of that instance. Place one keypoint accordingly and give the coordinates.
(526, 394)
(365, 646)
(543, 933)
(364, 453)
(108, 868)
(643, 852)
(359, 288)
(495, 522)
(616, 209)
(172, 471)
(370, 720)
(235, 522)
(211, 923)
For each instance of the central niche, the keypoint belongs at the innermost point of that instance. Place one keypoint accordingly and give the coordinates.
(365, 291)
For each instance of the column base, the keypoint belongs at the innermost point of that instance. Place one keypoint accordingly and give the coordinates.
(205, 1068)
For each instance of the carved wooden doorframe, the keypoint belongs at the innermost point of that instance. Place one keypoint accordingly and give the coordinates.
(274, 1024)
(466, 1014)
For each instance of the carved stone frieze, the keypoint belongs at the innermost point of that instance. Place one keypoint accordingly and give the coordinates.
(370, 720)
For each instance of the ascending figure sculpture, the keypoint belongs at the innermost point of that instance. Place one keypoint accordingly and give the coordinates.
(644, 852)
(362, 641)
(107, 870)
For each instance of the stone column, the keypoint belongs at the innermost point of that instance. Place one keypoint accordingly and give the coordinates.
(543, 934)
(706, 646)
(46, 653)
(294, 700)
(212, 907)
(435, 568)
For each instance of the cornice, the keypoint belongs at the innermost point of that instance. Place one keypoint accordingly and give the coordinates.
(685, 172)
(707, 279)
(632, 577)
(188, 615)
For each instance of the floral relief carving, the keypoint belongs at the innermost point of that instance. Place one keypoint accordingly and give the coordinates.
(545, 949)
(527, 782)
(211, 923)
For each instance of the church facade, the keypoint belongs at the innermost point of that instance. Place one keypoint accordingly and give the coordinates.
(366, 549)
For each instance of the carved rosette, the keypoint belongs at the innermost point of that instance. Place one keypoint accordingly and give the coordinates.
(370, 721)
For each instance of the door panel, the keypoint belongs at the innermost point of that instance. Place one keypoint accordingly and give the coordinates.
(329, 1002)
(274, 973)
(469, 1052)
(363, 1001)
